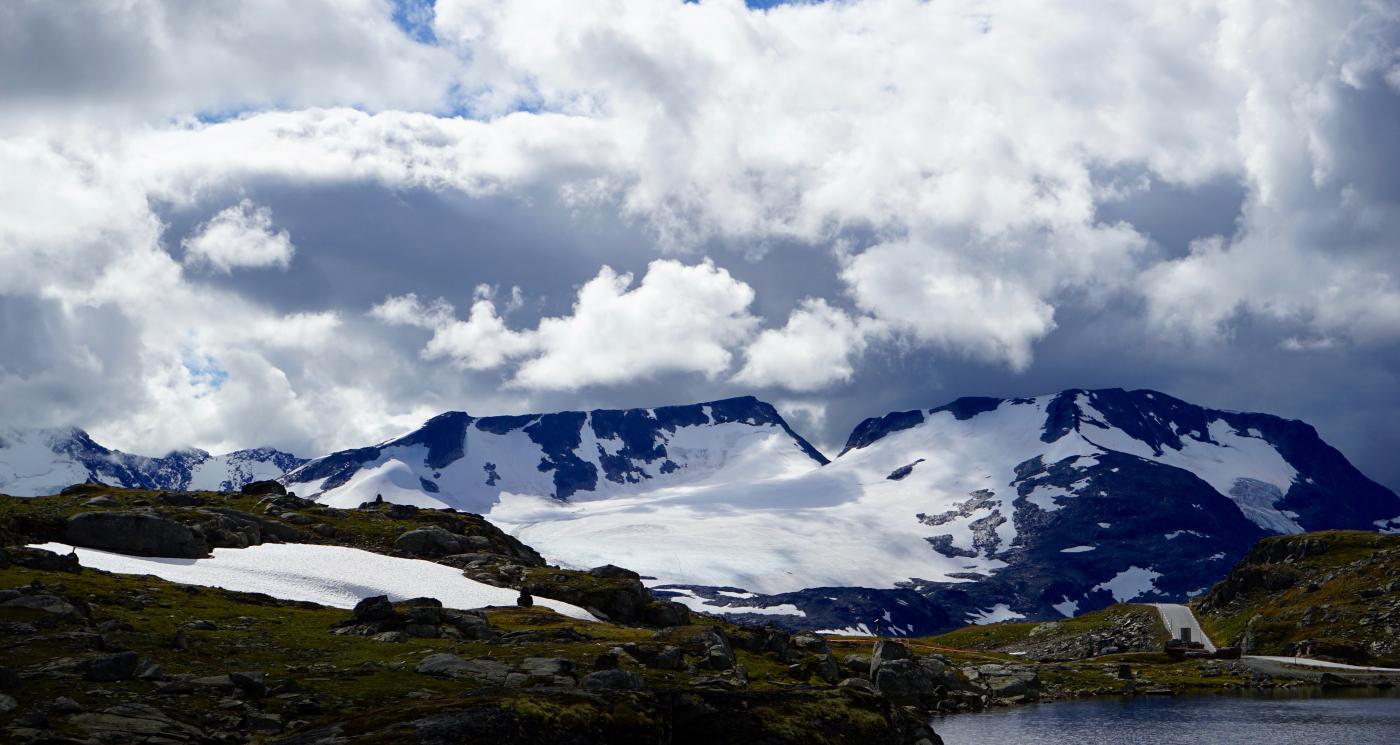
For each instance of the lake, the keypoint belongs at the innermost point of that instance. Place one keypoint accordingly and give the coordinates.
(1262, 718)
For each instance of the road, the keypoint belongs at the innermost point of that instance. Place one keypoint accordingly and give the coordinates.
(1323, 663)
(1176, 616)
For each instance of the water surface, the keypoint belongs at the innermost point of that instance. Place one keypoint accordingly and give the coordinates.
(1257, 718)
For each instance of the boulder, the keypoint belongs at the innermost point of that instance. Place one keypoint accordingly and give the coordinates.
(665, 614)
(63, 706)
(546, 666)
(42, 601)
(135, 533)
(904, 681)
(112, 668)
(432, 542)
(253, 683)
(713, 649)
(375, 608)
(261, 488)
(1007, 681)
(658, 656)
(610, 571)
(101, 500)
(856, 664)
(810, 643)
(613, 680)
(859, 684)
(446, 665)
(180, 499)
(7, 703)
(886, 651)
(135, 723)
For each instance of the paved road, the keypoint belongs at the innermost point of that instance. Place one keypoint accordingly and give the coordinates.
(1176, 616)
(1323, 663)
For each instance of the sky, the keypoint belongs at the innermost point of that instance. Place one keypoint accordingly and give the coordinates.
(313, 225)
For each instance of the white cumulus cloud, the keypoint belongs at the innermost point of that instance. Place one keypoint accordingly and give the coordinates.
(240, 236)
(678, 319)
(813, 350)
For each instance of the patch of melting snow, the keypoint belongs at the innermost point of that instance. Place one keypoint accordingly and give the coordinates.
(335, 576)
(1130, 583)
(859, 629)
(996, 614)
(689, 599)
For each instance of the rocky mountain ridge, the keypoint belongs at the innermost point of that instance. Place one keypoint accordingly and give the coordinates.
(978, 510)
(35, 462)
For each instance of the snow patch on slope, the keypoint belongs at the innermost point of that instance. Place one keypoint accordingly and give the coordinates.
(335, 576)
(689, 599)
(1130, 583)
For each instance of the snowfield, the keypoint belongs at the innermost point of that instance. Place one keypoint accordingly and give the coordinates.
(334, 576)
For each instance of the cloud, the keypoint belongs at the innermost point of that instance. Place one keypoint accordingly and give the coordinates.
(239, 237)
(957, 190)
(482, 342)
(152, 61)
(679, 318)
(934, 299)
(812, 351)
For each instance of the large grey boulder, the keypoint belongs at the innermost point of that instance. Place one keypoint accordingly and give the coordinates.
(447, 665)
(887, 651)
(135, 533)
(550, 666)
(1005, 681)
(44, 602)
(261, 488)
(717, 654)
(111, 668)
(613, 680)
(435, 541)
(135, 723)
(904, 681)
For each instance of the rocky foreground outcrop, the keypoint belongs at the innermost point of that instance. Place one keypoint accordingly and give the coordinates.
(1332, 595)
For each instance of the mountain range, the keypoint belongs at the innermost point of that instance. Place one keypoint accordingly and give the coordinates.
(35, 462)
(980, 510)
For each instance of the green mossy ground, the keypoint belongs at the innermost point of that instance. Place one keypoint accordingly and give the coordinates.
(371, 530)
(1339, 589)
(999, 636)
(370, 688)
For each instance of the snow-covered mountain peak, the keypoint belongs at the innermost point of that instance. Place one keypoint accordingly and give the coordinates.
(992, 508)
(466, 462)
(41, 461)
